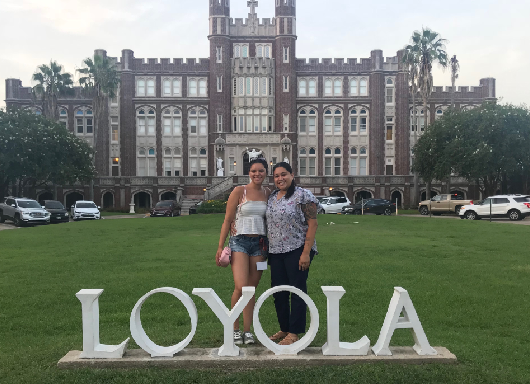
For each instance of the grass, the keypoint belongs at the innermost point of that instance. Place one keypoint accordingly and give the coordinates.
(469, 282)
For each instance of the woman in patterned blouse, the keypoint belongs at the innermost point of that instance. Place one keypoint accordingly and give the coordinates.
(291, 226)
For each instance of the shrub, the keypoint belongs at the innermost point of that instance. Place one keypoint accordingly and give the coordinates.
(212, 206)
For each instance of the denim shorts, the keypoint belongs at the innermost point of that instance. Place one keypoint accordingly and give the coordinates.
(245, 244)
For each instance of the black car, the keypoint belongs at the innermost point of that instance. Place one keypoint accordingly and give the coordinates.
(377, 206)
(58, 213)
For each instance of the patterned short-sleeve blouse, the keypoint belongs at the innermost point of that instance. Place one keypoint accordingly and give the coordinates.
(286, 223)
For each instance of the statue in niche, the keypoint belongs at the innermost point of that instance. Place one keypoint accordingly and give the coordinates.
(286, 160)
(220, 169)
(253, 155)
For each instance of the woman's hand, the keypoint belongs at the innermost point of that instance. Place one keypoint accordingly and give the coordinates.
(304, 262)
(218, 256)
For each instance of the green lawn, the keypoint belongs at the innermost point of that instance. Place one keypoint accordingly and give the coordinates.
(469, 282)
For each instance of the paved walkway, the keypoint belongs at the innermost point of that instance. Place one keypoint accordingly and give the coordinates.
(497, 220)
(7, 226)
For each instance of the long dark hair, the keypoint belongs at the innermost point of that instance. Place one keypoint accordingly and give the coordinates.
(259, 161)
(287, 166)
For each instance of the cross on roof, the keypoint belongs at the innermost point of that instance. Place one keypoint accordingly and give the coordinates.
(252, 4)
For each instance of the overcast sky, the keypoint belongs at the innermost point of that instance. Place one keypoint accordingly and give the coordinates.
(487, 35)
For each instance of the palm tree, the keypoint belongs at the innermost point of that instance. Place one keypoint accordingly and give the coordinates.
(455, 68)
(429, 48)
(100, 79)
(51, 83)
(410, 59)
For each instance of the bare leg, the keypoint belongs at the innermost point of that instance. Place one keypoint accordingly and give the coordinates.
(254, 277)
(240, 270)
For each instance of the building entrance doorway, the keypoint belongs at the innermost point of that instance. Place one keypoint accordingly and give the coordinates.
(71, 198)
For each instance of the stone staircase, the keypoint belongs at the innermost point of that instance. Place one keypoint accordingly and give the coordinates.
(186, 204)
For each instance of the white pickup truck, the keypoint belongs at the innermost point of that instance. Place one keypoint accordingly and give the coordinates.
(23, 211)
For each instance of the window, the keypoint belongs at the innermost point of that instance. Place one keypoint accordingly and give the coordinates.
(264, 86)
(307, 162)
(198, 121)
(140, 87)
(256, 86)
(202, 87)
(114, 135)
(248, 88)
(237, 51)
(151, 87)
(245, 50)
(389, 133)
(332, 162)
(192, 87)
(172, 122)
(419, 119)
(167, 87)
(259, 50)
(363, 87)
(362, 167)
(219, 54)
(333, 87)
(327, 88)
(353, 87)
(285, 54)
(353, 163)
(198, 162)
(219, 83)
(302, 88)
(176, 87)
(439, 113)
(307, 124)
(146, 162)
(231, 161)
(84, 122)
(219, 123)
(312, 87)
(389, 91)
(267, 51)
(286, 83)
(333, 121)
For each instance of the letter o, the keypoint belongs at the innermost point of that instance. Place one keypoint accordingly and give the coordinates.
(141, 338)
(301, 344)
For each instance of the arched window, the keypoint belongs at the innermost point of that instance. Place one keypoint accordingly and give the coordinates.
(202, 152)
(307, 124)
(172, 162)
(354, 89)
(259, 50)
(333, 125)
(337, 87)
(363, 87)
(312, 87)
(353, 151)
(237, 51)
(146, 126)
(198, 125)
(307, 162)
(146, 162)
(327, 151)
(328, 91)
(332, 162)
(84, 122)
(363, 151)
(172, 122)
(192, 87)
(197, 164)
(337, 151)
(303, 88)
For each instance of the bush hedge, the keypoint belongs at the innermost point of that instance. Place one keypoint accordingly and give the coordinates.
(212, 206)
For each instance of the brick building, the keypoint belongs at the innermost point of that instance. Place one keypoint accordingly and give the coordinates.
(344, 125)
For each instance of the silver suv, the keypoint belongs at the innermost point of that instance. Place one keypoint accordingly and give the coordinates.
(23, 211)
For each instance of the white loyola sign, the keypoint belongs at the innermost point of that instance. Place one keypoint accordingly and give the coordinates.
(400, 303)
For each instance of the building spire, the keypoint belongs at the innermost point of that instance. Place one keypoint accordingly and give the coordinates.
(252, 4)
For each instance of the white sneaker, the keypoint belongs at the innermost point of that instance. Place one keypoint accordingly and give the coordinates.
(248, 338)
(238, 337)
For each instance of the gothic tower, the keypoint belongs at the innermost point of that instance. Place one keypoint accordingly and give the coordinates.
(286, 83)
(220, 72)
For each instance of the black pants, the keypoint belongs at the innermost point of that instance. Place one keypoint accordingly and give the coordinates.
(285, 271)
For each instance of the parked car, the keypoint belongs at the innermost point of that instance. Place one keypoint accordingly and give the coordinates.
(23, 211)
(193, 208)
(58, 213)
(443, 204)
(85, 210)
(515, 207)
(377, 206)
(321, 200)
(167, 208)
(334, 204)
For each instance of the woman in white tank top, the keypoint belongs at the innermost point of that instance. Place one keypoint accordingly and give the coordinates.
(245, 219)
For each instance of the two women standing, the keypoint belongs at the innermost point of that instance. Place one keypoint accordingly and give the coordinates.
(291, 226)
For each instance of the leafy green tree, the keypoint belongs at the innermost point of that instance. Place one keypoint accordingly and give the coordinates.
(484, 145)
(429, 48)
(36, 151)
(52, 82)
(100, 80)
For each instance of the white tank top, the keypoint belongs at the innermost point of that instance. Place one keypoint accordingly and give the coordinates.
(250, 217)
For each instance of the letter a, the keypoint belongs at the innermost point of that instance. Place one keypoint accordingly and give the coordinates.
(227, 317)
(401, 302)
(92, 349)
(334, 347)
